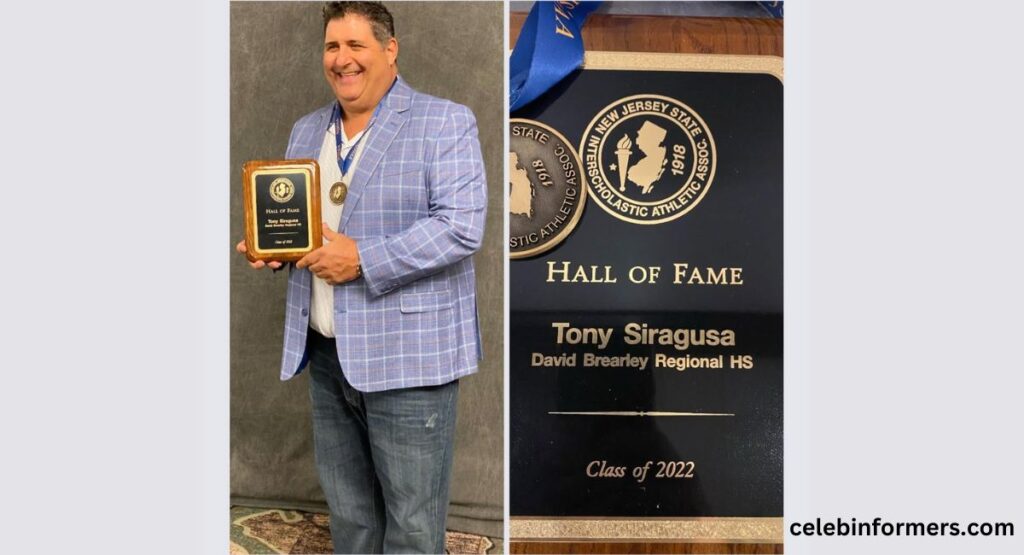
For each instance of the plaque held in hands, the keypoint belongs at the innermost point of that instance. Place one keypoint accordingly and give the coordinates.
(282, 209)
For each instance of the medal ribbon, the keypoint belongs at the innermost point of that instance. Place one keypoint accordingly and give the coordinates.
(774, 9)
(549, 48)
(346, 162)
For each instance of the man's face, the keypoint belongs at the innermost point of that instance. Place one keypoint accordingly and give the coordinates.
(358, 67)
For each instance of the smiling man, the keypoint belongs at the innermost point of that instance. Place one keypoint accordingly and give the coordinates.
(385, 312)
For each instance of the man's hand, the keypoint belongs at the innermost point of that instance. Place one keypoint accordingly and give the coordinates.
(273, 264)
(335, 262)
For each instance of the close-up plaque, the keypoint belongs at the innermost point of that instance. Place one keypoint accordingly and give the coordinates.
(282, 209)
(645, 351)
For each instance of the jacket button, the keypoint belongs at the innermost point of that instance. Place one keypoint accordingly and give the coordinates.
(305, 312)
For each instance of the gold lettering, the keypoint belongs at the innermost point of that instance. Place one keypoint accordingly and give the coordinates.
(680, 338)
(561, 29)
(600, 469)
(552, 271)
(716, 277)
(680, 268)
(581, 274)
(574, 336)
(713, 276)
(563, 360)
(563, 10)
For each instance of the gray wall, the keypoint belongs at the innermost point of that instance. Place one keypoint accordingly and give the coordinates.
(448, 49)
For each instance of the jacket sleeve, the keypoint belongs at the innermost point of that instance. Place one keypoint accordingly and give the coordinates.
(457, 206)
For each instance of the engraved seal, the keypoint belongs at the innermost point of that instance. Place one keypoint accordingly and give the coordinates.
(282, 189)
(546, 190)
(338, 192)
(649, 159)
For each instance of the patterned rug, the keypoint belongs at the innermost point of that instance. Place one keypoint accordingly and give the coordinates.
(283, 531)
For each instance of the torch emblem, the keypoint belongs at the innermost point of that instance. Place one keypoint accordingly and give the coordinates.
(649, 158)
(623, 151)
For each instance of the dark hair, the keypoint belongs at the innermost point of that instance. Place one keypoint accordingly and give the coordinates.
(375, 12)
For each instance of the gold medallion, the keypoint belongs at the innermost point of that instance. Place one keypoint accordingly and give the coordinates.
(282, 189)
(546, 192)
(338, 193)
(651, 159)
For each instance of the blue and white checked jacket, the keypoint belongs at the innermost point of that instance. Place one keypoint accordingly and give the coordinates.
(415, 208)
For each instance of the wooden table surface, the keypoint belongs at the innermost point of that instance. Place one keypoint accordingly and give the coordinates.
(697, 35)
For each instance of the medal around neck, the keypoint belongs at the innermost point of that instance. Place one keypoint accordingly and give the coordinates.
(338, 193)
(282, 209)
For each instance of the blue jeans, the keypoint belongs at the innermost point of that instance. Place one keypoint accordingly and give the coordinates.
(384, 458)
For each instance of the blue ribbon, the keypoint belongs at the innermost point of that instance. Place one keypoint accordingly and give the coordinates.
(549, 48)
(774, 9)
(343, 164)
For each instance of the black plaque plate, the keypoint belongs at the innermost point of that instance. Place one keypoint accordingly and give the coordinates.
(282, 209)
(664, 397)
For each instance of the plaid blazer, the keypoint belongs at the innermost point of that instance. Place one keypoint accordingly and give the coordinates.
(415, 208)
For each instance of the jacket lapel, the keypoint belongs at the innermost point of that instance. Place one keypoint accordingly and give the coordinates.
(392, 116)
(310, 138)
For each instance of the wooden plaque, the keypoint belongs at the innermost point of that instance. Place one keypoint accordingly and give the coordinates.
(282, 209)
(615, 437)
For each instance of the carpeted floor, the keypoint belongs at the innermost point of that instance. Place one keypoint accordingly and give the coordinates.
(255, 530)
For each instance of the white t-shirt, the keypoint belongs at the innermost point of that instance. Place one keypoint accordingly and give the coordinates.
(321, 310)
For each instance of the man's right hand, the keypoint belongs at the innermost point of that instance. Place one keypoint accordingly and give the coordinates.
(259, 264)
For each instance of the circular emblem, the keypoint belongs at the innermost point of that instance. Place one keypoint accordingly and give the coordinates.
(546, 191)
(338, 193)
(650, 158)
(282, 189)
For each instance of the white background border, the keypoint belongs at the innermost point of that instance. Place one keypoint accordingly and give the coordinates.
(903, 272)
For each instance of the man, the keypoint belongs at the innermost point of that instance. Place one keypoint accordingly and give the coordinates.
(385, 311)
